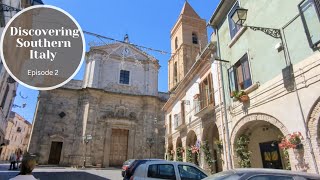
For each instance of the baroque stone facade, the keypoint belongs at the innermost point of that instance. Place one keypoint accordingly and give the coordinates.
(120, 121)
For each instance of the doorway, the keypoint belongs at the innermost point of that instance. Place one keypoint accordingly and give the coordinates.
(270, 155)
(118, 147)
(55, 152)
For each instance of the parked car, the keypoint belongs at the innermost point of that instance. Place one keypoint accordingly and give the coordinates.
(168, 170)
(262, 174)
(125, 166)
(133, 166)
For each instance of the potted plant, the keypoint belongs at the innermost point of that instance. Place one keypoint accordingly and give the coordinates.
(196, 96)
(294, 141)
(239, 96)
(180, 151)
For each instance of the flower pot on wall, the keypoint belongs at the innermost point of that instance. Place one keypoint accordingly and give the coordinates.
(244, 98)
(299, 152)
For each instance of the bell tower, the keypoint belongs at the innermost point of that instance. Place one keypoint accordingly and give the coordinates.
(188, 36)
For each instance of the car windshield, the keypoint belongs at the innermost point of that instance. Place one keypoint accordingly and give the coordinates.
(225, 175)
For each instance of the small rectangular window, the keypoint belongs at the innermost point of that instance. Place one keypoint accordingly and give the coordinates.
(234, 28)
(161, 171)
(124, 77)
(240, 75)
(310, 15)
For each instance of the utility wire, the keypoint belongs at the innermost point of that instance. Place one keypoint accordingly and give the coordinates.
(139, 46)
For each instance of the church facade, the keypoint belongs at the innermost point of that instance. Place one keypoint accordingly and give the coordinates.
(112, 115)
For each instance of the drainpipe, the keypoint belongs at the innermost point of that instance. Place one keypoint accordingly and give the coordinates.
(229, 161)
(307, 132)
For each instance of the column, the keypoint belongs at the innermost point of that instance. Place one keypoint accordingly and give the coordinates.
(107, 143)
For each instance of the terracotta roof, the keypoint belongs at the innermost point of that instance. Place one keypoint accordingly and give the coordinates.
(187, 10)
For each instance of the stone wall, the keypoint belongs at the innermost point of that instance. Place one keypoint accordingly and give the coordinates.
(67, 115)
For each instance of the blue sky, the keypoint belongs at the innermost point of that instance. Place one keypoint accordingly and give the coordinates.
(148, 23)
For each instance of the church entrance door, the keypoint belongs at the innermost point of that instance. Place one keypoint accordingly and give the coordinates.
(119, 147)
(55, 153)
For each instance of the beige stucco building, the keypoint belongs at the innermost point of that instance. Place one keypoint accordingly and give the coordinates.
(192, 112)
(8, 86)
(117, 106)
(18, 133)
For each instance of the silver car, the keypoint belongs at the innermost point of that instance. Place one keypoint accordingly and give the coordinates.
(172, 170)
(262, 174)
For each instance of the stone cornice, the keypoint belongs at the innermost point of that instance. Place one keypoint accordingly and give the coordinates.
(88, 89)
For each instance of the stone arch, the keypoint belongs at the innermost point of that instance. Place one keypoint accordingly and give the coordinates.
(313, 122)
(191, 138)
(210, 135)
(257, 117)
(264, 132)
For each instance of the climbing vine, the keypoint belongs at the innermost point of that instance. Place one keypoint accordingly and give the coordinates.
(170, 156)
(207, 155)
(242, 150)
(286, 157)
(179, 154)
(189, 154)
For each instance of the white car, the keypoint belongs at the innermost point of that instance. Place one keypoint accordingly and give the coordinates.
(168, 170)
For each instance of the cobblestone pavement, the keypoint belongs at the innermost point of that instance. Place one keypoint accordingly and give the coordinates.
(65, 173)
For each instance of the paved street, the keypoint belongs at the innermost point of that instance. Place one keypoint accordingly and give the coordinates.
(63, 173)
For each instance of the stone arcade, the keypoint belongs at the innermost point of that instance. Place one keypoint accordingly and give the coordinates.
(117, 104)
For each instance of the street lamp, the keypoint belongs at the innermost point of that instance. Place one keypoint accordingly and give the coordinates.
(86, 140)
(240, 16)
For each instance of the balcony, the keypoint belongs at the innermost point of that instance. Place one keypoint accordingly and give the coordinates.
(205, 105)
(179, 122)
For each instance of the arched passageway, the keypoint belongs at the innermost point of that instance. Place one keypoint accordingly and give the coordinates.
(212, 149)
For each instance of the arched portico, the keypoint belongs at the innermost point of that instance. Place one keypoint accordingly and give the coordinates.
(192, 141)
(264, 132)
(313, 121)
(211, 138)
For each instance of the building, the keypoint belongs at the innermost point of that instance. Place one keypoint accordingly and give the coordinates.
(18, 133)
(114, 114)
(274, 59)
(192, 112)
(8, 86)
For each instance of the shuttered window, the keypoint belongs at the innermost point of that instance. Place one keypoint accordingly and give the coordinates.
(240, 75)
(234, 28)
(317, 2)
(310, 15)
(206, 92)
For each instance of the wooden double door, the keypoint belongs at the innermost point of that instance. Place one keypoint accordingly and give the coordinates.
(118, 147)
(270, 155)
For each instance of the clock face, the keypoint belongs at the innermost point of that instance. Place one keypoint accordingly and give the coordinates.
(125, 51)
